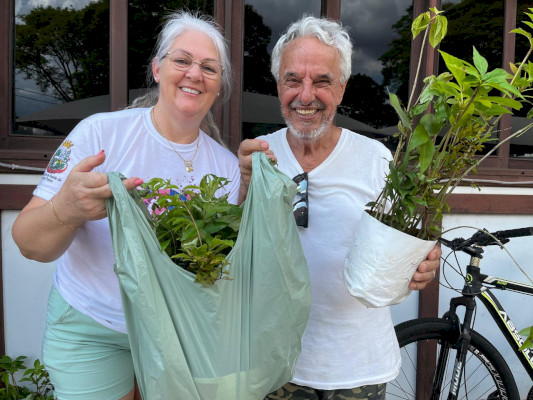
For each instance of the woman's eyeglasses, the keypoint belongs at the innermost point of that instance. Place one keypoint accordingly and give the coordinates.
(183, 62)
(300, 206)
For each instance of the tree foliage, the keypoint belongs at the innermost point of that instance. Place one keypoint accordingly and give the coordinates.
(66, 51)
(256, 60)
(365, 100)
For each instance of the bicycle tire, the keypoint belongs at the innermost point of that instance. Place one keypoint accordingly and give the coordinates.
(486, 376)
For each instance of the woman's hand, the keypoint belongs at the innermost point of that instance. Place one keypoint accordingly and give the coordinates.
(82, 197)
(44, 230)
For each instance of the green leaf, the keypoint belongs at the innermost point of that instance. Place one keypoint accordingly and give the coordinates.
(480, 62)
(427, 150)
(505, 101)
(395, 103)
(520, 31)
(430, 123)
(419, 137)
(528, 24)
(455, 65)
(438, 30)
(419, 24)
(497, 75)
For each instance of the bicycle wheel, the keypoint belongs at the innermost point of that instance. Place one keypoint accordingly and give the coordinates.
(486, 374)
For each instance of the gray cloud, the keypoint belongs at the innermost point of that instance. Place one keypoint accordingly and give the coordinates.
(25, 6)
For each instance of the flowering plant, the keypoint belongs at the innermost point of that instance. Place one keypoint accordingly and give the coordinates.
(441, 132)
(195, 228)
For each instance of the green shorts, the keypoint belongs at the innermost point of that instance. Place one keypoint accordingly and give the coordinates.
(85, 360)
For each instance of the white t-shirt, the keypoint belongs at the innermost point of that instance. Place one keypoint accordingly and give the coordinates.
(345, 344)
(84, 275)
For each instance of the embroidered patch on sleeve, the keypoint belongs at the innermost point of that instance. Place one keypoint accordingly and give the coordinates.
(59, 161)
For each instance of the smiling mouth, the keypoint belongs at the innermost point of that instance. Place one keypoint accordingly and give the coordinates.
(305, 113)
(189, 90)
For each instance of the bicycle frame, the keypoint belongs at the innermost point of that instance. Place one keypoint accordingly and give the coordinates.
(502, 319)
(477, 285)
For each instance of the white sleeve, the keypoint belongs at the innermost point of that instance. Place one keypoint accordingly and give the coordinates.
(79, 144)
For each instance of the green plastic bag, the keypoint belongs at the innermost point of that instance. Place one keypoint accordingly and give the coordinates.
(238, 339)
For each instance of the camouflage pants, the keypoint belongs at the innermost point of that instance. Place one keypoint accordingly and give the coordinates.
(291, 391)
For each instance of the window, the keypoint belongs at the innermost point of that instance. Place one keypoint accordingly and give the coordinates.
(61, 71)
(264, 22)
(118, 36)
(145, 19)
(380, 63)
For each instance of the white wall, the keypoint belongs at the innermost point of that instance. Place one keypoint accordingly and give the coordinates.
(26, 285)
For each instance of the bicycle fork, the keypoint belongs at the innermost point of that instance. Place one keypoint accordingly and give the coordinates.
(462, 341)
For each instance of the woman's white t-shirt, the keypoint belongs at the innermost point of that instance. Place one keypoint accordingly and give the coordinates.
(84, 275)
(345, 344)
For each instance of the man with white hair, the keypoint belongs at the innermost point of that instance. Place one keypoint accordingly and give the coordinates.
(349, 351)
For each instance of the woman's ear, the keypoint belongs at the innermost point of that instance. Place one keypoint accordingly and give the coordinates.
(155, 70)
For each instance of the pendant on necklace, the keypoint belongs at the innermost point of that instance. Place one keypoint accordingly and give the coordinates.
(188, 166)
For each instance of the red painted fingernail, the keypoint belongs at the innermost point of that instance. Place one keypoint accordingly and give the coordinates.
(100, 153)
(138, 182)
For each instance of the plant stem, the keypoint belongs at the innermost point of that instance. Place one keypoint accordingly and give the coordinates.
(491, 151)
(419, 66)
(193, 221)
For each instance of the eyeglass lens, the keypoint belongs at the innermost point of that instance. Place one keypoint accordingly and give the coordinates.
(300, 207)
(183, 62)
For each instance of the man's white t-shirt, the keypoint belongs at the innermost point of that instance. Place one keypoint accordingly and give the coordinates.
(84, 275)
(345, 344)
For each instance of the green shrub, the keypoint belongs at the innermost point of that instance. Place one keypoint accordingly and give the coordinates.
(40, 388)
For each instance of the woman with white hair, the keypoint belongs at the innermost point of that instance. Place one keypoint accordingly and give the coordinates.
(166, 134)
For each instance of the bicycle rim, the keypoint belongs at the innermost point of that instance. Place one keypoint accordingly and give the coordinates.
(486, 375)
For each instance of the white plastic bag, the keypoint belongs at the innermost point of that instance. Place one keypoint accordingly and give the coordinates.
(381, 263)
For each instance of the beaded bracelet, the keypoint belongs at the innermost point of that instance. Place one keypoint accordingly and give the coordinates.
(57, 216)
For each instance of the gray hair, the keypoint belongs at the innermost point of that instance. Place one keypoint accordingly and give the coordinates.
(176, 24)
(329, 32)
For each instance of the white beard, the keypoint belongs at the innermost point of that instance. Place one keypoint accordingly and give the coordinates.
(310, 136)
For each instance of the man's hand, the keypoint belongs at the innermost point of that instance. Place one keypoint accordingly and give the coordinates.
(426, 270)
(246, 149)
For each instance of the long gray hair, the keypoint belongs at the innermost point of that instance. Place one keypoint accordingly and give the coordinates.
(327, 31)
(176, 24)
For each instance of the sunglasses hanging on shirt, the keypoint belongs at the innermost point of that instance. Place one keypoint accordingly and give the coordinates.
(300, 207)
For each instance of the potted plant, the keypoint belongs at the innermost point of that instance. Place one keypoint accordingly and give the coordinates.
(439, 135)
(195, 225)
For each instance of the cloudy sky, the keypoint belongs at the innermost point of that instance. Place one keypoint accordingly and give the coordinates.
(24, 6)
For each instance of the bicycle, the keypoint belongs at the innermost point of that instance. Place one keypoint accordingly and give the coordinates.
(451, 359)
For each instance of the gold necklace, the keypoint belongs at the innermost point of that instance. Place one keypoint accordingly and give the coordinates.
(188, 163)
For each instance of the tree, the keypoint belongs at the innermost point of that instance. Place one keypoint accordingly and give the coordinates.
(365, 101)
(145, 19)
(256, 59)
(65, 50)
(395, 60)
